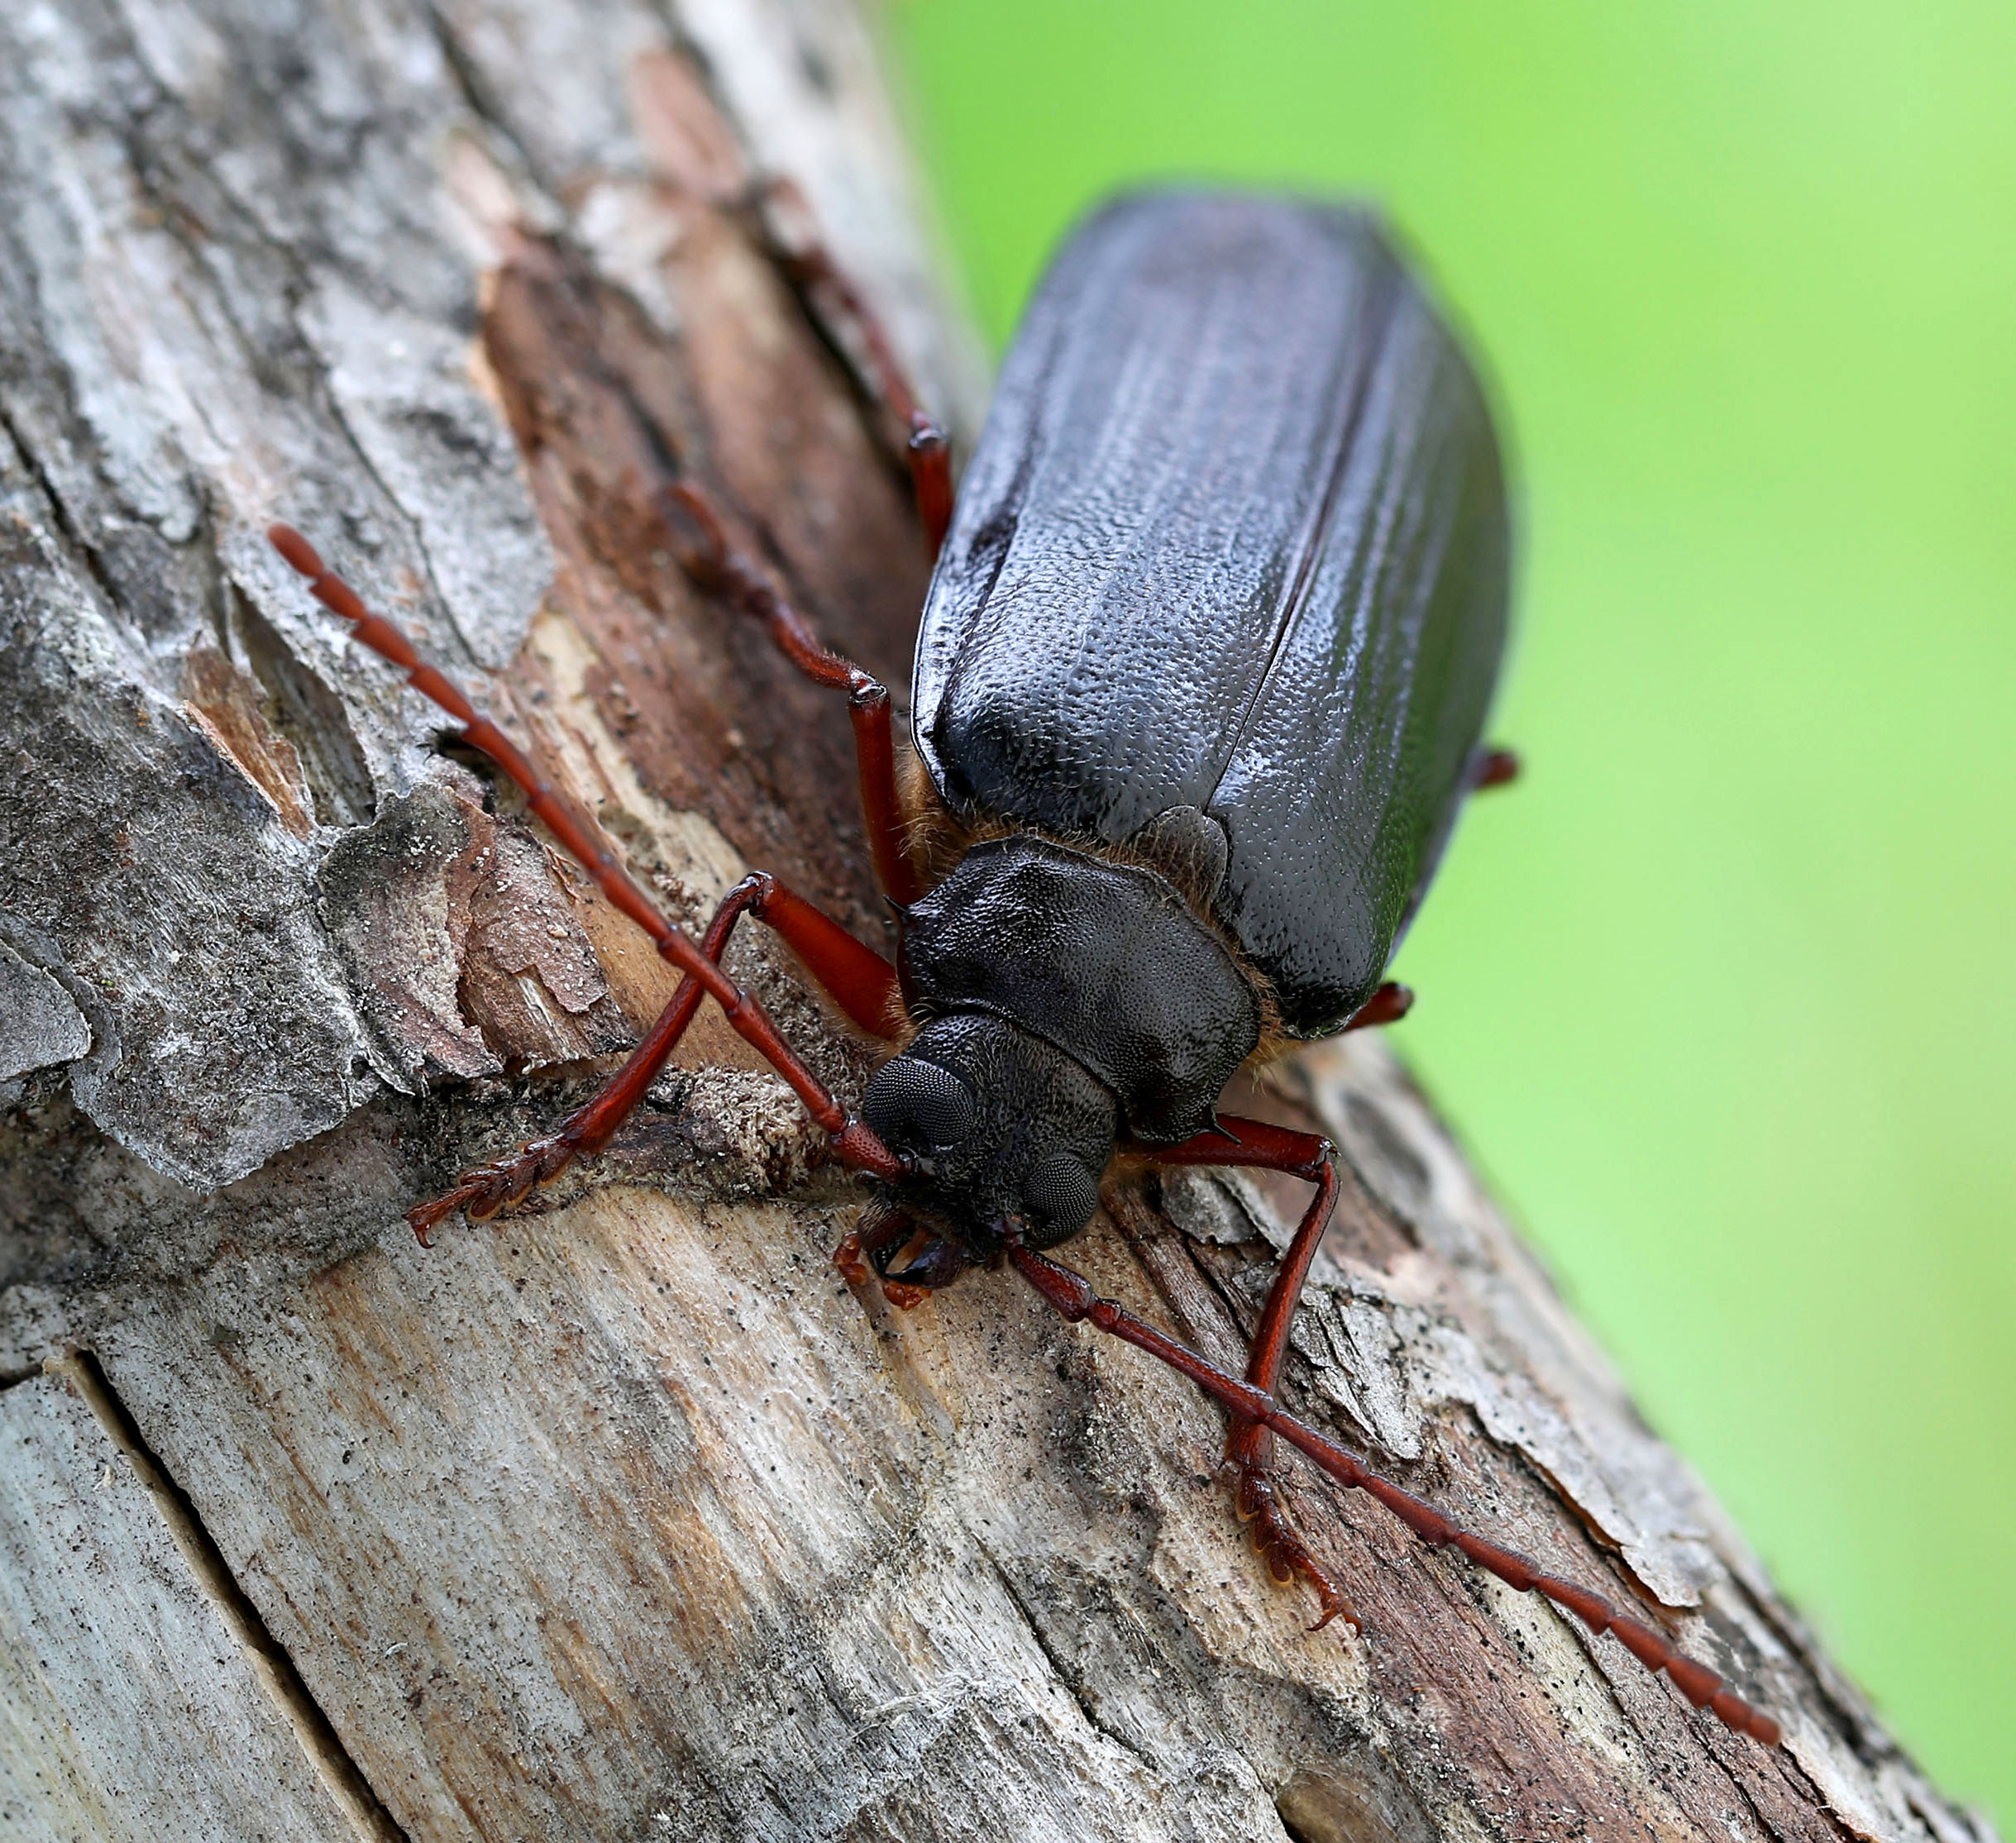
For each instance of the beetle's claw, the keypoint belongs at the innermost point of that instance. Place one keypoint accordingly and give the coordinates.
(489, 1190)
(1278, 1543)
(848, 1258)
(851, 1258)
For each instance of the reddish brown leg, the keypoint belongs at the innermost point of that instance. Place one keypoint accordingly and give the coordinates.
(1072, 1296)
(811, 265)
(859, 981)
(884, 1230)
(712, 561)
(1495, 768)
(852, 1142)
(1250, 1449)
(878, 1227)
(1388, 1004)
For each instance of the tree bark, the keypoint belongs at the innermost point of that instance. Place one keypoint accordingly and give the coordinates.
(623, 1516)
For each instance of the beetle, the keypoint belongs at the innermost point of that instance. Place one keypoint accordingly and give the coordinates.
(1200, 689)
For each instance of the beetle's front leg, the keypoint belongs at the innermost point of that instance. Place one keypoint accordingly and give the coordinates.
(856, 978)
(1070, 1294)
(858, 970)
(1250, 1450)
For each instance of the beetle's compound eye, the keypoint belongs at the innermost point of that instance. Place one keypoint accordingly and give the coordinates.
(1061, 1193)
(917, 1103)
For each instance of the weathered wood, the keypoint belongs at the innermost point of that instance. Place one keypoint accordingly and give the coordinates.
(625, 1517)
(129, 1705)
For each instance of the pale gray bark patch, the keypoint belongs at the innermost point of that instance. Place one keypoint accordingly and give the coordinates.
(127, 1708)
(146, 870)
(890, 1666)
(223, 300)
(40, 1022)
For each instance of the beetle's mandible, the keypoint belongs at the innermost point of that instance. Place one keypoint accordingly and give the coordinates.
(1200, 690)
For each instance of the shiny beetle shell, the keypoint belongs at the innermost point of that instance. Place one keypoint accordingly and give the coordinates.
(1230, 570)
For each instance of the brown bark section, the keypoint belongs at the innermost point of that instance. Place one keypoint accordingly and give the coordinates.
(624, 1517)
(608, 414)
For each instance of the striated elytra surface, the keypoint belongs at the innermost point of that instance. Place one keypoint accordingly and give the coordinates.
(1235, 541)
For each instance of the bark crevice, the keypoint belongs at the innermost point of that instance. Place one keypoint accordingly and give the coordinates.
(313, 1730)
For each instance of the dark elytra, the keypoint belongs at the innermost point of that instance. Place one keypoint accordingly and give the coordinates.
(1234, 544)
(1224, 589)
(1199, 691)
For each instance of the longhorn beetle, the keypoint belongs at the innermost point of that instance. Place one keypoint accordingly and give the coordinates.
(1199, 690)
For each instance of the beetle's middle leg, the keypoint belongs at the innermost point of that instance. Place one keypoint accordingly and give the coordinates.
(1255, 1145)
(713, 560)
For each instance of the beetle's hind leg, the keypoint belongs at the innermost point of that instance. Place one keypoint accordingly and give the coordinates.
(793, 236)
(1250, 1450)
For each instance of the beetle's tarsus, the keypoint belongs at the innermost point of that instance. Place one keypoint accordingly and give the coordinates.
(495, 1189)
(1278, 1543)
(848, 1258)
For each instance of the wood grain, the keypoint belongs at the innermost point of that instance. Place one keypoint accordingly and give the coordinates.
(625, 1517)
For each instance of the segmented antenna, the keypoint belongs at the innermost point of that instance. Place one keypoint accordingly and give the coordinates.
(852, 1142)
(1071, 1295)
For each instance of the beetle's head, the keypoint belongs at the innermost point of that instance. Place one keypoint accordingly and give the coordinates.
(1000, 1131)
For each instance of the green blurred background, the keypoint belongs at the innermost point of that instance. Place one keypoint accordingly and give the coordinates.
(1723, 993)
